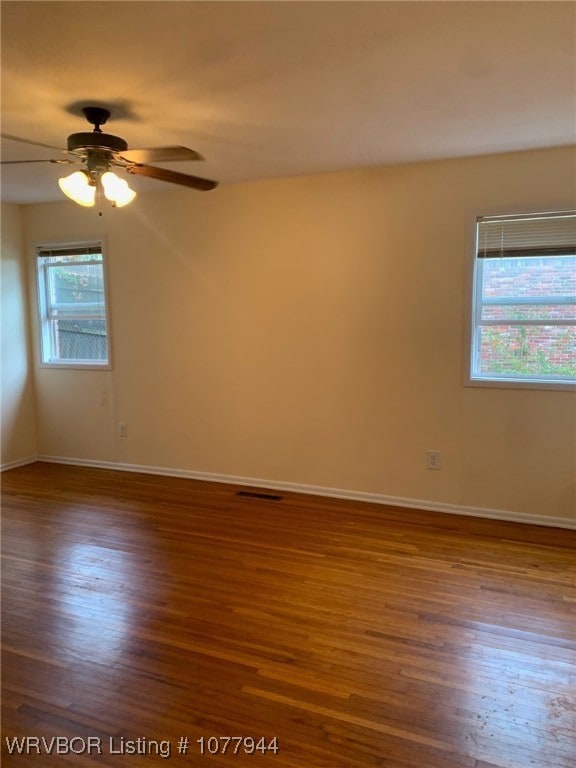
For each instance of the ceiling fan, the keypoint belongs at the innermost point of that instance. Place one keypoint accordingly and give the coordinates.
(98, 152)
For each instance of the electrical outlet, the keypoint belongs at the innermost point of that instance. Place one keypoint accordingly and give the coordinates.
(433, 460)
(123, 429)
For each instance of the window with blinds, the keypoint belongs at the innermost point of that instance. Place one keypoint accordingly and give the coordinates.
(524, 299)
(72, 305)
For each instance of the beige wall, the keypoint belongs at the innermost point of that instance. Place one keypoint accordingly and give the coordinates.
(17, 397)
(311, 331)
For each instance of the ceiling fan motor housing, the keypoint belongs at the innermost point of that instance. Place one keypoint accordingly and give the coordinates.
(95, 140)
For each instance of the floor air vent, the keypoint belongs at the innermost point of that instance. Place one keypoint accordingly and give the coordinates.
(257, 495)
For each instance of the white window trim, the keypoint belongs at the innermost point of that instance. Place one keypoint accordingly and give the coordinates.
(44, 328)
(470, 303)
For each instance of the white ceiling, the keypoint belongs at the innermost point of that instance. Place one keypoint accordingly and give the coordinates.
(272, 89)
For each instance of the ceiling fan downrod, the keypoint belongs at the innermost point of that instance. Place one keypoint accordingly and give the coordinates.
(96, 116)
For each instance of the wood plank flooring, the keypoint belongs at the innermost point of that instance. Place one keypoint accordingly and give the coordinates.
(140, 610)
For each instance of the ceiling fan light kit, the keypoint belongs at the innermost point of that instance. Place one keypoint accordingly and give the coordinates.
(78, 188)
(117, 190)
(99, 152)
(81, 187)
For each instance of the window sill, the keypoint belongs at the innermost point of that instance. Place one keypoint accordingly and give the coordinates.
(77, 366)
(559, 386)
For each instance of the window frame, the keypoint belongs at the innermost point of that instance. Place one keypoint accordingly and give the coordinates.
(46, 334)
(474, 310)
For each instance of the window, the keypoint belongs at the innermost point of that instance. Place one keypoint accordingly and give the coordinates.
(524, 299)
(72, 305)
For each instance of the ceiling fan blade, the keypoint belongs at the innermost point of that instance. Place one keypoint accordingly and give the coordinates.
(17, 162)
(160, 155)
(162, 174)
(27, 141)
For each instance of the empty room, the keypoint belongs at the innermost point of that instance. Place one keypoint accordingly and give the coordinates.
(288, 384)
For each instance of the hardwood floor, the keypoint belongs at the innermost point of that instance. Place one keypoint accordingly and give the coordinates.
(139, 610)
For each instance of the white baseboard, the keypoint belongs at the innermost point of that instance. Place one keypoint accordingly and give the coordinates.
(314, 490)
(18, 463)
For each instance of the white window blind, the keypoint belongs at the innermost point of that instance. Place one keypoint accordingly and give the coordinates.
(522, 236)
